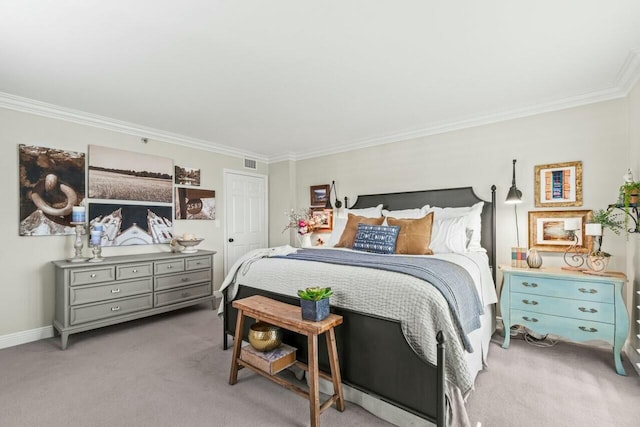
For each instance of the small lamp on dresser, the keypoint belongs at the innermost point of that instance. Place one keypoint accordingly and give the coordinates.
(572, 256)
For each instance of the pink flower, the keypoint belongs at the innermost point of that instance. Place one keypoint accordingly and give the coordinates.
(302, 223)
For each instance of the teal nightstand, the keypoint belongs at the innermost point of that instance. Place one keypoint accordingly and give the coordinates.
(570, 304)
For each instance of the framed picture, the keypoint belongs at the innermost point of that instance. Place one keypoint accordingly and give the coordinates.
(326, 219)
(547, 230)
(319, 194)
(558, 185)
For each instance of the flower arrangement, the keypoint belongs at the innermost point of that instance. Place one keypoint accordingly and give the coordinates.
(303, 221)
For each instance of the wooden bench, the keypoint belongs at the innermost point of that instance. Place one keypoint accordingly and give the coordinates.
(289, 317)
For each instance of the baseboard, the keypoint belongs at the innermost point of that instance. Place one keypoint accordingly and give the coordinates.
(633, 356)
(24, 337)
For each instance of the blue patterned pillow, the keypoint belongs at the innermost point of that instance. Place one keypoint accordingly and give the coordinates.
(380, 239)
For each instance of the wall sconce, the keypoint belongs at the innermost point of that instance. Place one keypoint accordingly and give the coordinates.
(337, 203)
(572, 256)
(514, 197)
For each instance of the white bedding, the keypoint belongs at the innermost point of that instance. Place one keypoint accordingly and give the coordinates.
(420, 308)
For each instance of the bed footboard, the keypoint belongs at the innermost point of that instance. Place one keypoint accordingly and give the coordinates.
(374, 358)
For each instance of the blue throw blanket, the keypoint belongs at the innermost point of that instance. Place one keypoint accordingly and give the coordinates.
(453, 281)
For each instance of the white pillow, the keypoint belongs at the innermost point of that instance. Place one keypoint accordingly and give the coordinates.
(448, 235)
(375, 212)
(416, 213)
(472, 217)
(338, 227)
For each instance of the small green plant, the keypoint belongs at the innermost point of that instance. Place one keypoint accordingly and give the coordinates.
(629, 189)
(608, 219)
(315, 294)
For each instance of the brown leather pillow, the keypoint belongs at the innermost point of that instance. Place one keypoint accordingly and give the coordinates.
(414, 236)
(351, 229)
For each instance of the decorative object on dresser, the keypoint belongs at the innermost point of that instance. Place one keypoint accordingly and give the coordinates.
(566, 303)
(547, 231)
(189, 242)
(534, 260)
(572, 257)
(315, 303)
(598, 260)
(124, 288)
(558, 184)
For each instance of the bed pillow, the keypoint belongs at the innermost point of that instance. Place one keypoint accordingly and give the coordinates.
(338, 229)
(379, 239)
(448, 235)
(351, 228)
(472, 218)
(374, 212)
(415, 235)
(407, 213)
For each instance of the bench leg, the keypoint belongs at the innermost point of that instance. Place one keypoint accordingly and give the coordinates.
(314, 392)
(335, 368)
(237, 344)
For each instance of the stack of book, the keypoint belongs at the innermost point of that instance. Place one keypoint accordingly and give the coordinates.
(272, 361)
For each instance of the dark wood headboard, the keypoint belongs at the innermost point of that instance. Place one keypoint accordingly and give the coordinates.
(445, 198)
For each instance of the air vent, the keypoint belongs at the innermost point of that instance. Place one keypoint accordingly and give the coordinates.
(250, 164)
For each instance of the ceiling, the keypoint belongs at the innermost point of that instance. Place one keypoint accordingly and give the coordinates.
(294, 79)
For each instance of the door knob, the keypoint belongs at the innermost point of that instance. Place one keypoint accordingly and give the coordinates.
(231, 240)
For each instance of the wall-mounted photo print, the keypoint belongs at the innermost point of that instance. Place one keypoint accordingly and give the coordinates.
(194, 203)
(51, 183)
(558, 185)
(127, 175)
(132, 224)
(187, 176)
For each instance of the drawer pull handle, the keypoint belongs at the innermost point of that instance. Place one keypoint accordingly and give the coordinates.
(526, 301)
(115, 291)
(93, 275)
(185, 294)
(169, 267)
(587, 310)
(134, 271)
(585, 329)
(588, 291)
(530, 285)
(185, 279)
(116, 308)
(530, 319)
(198, 263)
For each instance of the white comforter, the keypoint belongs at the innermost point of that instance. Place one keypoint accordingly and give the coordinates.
(420, 308)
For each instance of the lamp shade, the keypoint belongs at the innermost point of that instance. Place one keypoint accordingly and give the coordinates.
(593, 229)
(514, 195)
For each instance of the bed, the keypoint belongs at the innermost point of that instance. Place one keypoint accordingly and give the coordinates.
(379, 355)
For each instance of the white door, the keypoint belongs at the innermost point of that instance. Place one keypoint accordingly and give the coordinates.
(246, 218)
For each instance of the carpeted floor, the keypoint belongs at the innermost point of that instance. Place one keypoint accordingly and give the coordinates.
(170, 370)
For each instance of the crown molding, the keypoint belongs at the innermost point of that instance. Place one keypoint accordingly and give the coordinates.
(31, 106)
(629, 73)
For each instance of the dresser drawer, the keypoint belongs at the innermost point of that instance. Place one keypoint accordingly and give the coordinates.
(575, 289)
(173, 266)
(94, 293)
(132, 271)
(198, 263)
(91, 275)
(574, 329)
(586, 310)
(182, 294)
(90, 313)
(175, 280)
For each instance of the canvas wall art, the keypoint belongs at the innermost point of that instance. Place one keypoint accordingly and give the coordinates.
(558, 185)
(187, 176)
(51, 183)
(126, 175)
(191, 203)
(547, 230)
(128, 224)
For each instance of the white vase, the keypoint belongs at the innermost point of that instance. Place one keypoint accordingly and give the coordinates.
(305, 240)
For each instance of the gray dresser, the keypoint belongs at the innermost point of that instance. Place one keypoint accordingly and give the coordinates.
(123, 288)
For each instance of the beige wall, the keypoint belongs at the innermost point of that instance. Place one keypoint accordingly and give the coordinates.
(27, 283)
(282, 192)
(481, 156)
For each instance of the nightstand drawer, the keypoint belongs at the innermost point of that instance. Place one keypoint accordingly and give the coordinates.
(575, 289)
(182, 294)
(175, 280)
(94, 293)
(574, 329)
(133, 271)
(173, 266)
(587, 310)
(93, 275)
(89, 313)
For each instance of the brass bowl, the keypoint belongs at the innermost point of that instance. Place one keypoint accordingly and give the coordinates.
(265, 337)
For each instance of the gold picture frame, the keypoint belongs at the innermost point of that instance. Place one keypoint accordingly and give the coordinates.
(547, 233)
(558, 185)
(325, 219)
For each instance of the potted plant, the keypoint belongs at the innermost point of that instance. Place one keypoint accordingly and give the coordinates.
(629, 192)
(315, 303)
